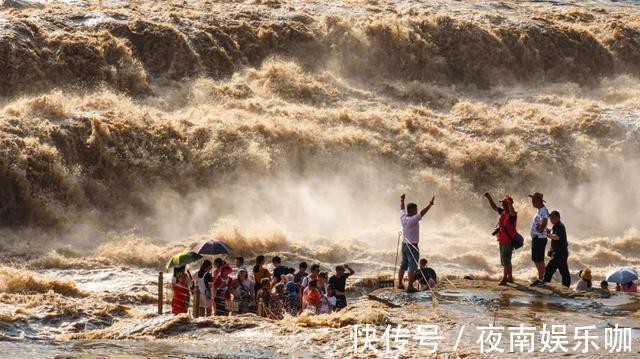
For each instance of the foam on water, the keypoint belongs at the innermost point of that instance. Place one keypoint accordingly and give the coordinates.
(291, 127)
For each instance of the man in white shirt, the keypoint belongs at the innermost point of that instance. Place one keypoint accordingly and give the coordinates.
(539, 235)
(410, 219)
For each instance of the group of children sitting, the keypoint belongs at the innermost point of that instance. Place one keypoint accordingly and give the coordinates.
(268, 294)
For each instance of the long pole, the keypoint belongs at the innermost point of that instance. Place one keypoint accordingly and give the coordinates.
(395, 264)
(160, 292)
(434, 300)
(196, 303)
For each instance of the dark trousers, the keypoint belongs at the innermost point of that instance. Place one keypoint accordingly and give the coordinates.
(558, 263)
(220, 306)
(341, 302)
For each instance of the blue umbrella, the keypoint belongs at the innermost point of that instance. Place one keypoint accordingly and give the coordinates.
(211, 248)
(622, 275)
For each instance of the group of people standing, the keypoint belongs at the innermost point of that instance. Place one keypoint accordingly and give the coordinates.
(224, 290)
(506, 232)
(540, 235)
(507, 237)
(285, 290)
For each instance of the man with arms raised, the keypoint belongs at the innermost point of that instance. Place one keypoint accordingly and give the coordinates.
(410, 219)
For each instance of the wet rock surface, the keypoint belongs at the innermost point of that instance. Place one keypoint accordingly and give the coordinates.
(398, 298)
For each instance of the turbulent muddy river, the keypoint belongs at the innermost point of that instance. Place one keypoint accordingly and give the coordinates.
(131, 130)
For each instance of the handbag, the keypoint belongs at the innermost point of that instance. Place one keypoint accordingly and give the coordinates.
(517, 241)
(231, 306)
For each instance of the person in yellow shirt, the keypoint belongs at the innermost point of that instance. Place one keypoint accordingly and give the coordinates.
(259, 272)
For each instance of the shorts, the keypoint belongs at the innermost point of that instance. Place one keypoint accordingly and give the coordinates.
(538, 249)
(410, 257)
(506, 250)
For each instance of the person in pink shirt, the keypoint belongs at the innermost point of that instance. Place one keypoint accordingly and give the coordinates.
(221, 289)
(630, 287)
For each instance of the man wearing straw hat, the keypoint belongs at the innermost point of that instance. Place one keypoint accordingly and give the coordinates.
(410, 219)
(539, 235)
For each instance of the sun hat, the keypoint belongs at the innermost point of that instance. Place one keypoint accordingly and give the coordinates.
(538, 195)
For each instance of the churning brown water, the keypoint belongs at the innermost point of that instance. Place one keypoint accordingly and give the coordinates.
(129, 131)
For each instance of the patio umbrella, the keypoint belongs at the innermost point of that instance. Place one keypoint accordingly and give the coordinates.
(622, 275)
(182, 259)
(211, 248)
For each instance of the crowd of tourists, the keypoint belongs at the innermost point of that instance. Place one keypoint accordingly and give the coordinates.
(223, 290)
